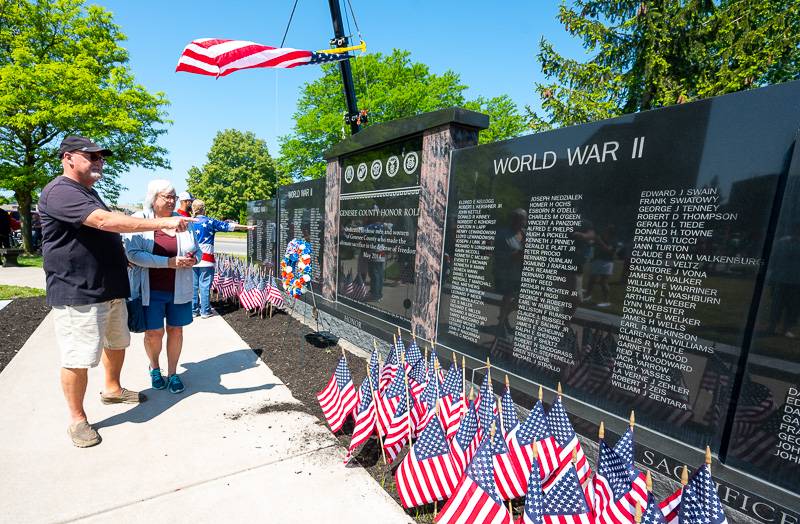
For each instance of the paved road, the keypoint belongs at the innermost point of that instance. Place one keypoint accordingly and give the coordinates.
(235, 246)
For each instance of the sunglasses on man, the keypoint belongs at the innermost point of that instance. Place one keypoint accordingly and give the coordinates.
(92, 157)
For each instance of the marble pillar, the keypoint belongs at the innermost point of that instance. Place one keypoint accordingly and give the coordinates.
(332, 190)
(437, 143)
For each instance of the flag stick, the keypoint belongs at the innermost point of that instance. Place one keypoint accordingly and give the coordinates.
(375, 403)
(649, 482)
(632, 420)
(408, 400)
(559, 390)
(435, 507)
(637, 517)
(463, 381)
(540, 393)
(708, 458)
(270, 310)
(684, 476)
(601, 433)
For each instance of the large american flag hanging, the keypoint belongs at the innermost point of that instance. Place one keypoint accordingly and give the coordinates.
(219, 57)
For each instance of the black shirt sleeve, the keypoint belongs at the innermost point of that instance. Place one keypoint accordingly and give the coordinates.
(71, 204)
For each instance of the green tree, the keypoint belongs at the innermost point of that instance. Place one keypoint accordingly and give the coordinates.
(649, 54)
(389, 87)
(239, 168)
(62, 71)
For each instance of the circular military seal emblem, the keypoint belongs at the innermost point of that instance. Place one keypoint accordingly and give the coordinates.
(348, 174)
(361, 173)
(392, 165)
(376, 169)
(410, 162)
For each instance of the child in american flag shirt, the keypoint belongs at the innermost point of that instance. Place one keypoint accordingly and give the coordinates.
(204, 230)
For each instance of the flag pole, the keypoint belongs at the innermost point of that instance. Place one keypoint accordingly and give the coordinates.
(632, 420)
(708, 458)
(502, 435)
(463, 381)
(375, 403)
(408, 401)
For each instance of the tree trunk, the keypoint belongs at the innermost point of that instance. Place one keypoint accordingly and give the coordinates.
(24, 200)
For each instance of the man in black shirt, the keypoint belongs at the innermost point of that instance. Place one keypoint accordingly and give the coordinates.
(87, 281)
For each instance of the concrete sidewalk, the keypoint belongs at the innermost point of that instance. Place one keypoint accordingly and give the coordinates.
(233, 447)
(22, 276)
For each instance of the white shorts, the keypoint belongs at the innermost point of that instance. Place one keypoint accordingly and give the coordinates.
(83, 331)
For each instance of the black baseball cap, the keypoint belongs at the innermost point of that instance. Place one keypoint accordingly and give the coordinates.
(78, 143)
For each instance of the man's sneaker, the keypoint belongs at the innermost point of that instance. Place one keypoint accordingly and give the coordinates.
(83, 435)
(195, 314)
(175, 384)
(211, 313)
(156, 379)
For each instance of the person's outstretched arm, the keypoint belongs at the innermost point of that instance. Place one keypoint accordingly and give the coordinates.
(121, 223)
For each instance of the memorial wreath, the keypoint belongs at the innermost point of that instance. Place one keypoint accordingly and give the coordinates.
(296, 267)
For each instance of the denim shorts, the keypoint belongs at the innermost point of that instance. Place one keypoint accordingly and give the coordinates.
(162, 307)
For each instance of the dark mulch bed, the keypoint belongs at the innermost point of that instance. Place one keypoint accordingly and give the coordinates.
(18, 321)
(306, 369)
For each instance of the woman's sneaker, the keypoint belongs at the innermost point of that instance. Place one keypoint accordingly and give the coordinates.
(156, 380)
(175, 384)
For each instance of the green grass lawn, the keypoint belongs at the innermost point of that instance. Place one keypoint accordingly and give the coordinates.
(30, 260)
(9, 292)
(232, 234)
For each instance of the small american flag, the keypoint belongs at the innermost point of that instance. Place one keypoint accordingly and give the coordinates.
(452, 399)
(510, 418)
(652, 514)
(671, 506)
(700, 503)
(535, 433)
(533, 512)
(466, 440)
(624, 448)
(398, 430)
(475, 499)
(427, 473)
(617, 491)
(390, 398)
(567, 441)
(565, 502)
(274, 294)
(510, 480)
(247, 297)
(413, 354)
(365, 417)
(338, 399)
(218, 57)
(487, 406)
(389, 370)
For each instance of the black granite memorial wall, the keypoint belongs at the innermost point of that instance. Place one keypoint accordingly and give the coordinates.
(261, 242)
(301, 214)
(626, 260)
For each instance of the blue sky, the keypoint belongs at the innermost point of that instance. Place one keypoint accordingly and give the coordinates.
(491, 45)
